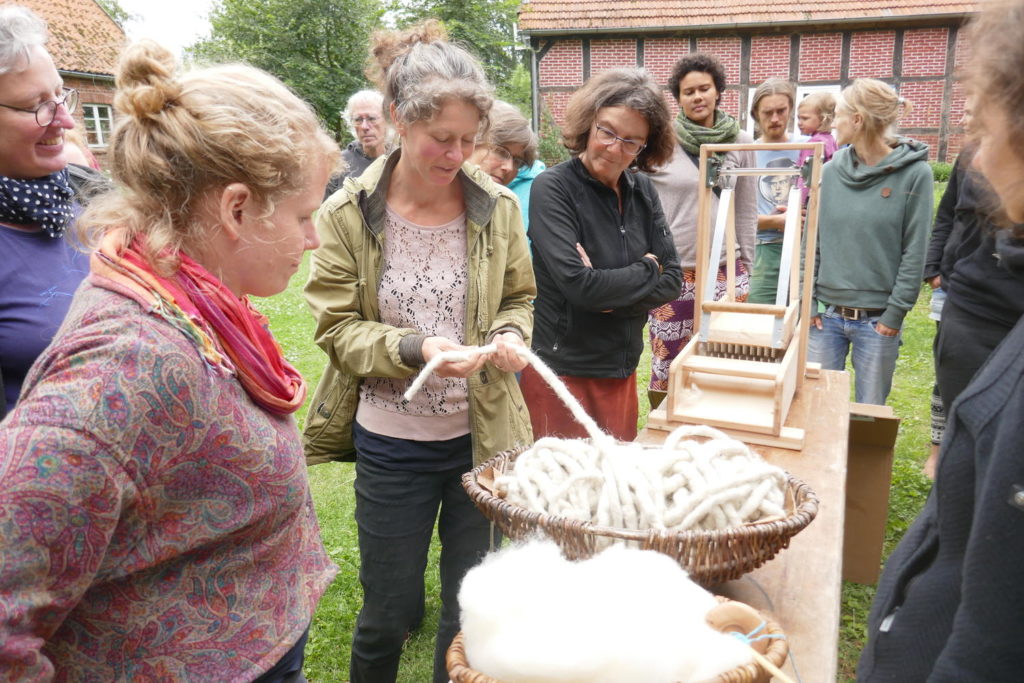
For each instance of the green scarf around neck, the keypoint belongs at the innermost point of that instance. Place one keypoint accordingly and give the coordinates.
(692, 135)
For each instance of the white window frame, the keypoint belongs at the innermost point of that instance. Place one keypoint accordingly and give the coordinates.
(98, 114)
(803, 91)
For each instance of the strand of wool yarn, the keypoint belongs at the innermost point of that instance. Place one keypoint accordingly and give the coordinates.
(542, 369)
(687, 484)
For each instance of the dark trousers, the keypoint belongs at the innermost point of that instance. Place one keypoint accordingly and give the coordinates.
(395, 513)
(964, 343)
(289, 668)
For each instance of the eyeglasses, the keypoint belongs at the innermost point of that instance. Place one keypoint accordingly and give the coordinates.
(46, 112)
(608, 138)
(359, 120)
(505, 155)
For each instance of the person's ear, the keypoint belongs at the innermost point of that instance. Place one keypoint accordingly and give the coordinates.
(235, 201)
(399, 125)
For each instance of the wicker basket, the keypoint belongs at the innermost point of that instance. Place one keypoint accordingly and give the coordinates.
(710, 557)
(774, 650)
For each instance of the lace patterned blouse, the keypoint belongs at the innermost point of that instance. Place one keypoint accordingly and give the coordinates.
(423, 285)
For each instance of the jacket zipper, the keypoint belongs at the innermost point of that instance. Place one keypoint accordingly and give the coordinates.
(625, 258)
(471, 282)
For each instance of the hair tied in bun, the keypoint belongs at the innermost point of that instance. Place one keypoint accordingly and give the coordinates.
(146, 80)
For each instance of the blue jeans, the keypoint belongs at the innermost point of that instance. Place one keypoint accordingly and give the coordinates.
(874, 354)
(395, 513)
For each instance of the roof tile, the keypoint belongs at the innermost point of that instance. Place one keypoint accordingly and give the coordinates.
(539, 16)
(82, 36)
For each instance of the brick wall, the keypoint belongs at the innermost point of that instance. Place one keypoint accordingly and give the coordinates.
(918, 70)
(563, 64)
(90, 91)
(926, 98)
(611, 54)
(769, 58)
(727, 50)
(821, 56)
(924, 52)
(661, 54)
(871, 54)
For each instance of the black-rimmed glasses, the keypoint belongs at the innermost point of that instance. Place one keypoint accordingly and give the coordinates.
(46, 112)
(630, 147)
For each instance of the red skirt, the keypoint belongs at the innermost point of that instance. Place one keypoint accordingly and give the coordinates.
(611, 402)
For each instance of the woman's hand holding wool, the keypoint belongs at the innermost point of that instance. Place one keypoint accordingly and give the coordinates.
(464, 368)
(506, 358)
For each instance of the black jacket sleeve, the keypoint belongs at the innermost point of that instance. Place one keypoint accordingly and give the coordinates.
(556, 227)
(944, 221)
(670, 283)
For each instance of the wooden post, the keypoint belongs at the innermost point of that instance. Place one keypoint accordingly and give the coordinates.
(809, 261)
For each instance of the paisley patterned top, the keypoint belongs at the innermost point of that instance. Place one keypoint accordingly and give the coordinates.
(155, 524)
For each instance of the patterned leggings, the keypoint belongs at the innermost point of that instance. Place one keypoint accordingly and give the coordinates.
(671, 325)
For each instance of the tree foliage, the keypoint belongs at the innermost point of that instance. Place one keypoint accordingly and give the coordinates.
(485, 27)
(318, 47)
(119, 14)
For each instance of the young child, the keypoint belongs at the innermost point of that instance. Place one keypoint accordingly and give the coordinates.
(814, 116)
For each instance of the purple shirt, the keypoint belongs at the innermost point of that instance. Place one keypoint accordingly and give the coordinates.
(38, 276)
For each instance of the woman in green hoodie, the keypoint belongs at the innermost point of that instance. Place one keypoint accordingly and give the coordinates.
(875, 215)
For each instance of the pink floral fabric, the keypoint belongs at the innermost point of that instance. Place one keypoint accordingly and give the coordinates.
(155, 524)
(670, 325)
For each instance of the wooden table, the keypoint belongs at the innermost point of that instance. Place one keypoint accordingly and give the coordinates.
(802, 585)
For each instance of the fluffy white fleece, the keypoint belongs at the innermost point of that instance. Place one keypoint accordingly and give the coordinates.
(624, 616)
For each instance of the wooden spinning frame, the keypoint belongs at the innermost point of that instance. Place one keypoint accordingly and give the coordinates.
(745, 362)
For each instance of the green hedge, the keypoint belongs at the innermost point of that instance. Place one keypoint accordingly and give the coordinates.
(941, 170)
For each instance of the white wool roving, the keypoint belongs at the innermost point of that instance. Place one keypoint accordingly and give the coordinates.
(623, 616)
(687, 484)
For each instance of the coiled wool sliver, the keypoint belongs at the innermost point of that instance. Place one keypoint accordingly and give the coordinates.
(686, 484)
(710, 485)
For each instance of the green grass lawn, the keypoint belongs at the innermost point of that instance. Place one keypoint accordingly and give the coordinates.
(327, 653)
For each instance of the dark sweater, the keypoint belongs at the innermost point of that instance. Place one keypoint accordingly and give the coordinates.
(956, 218)
(949, 604)
(588, 322)
(962, 250)
(355, 163)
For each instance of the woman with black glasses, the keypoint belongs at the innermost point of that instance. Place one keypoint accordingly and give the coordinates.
(603, 255)
(39, 270)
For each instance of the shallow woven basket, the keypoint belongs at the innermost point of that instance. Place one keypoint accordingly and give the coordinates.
(710, 557)
(774, 650)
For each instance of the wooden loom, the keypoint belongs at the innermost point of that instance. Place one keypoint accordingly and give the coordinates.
(745, 362)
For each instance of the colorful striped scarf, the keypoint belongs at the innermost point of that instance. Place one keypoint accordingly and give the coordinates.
(230, 335)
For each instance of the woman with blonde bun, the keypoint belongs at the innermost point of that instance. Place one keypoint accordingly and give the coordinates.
(155, 515)
(874, 219)
(422, 253)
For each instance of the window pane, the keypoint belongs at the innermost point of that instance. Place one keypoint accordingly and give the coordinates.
(98, 121)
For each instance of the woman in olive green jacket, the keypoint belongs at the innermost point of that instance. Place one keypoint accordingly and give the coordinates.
(421, 254)
(341, 292)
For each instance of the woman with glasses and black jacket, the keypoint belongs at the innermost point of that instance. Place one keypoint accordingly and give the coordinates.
(602, 253)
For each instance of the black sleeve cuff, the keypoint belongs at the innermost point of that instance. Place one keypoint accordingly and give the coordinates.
(410, 349)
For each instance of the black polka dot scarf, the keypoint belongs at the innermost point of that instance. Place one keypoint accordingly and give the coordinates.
(45, 202)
